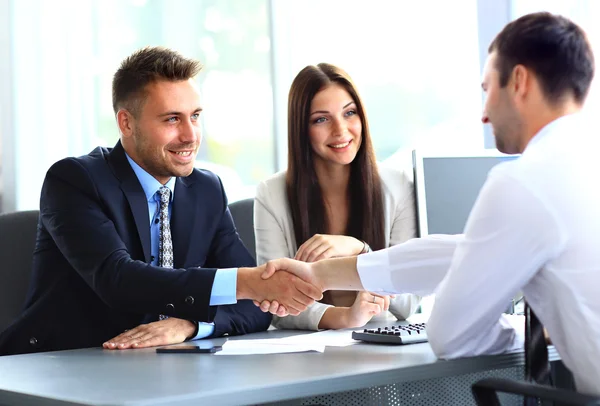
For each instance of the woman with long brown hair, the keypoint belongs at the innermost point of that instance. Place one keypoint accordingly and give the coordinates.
(333, 200)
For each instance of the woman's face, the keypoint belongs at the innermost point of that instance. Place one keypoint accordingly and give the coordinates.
(334, 126)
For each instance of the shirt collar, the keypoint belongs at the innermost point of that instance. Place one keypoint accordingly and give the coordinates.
(553, 125)
(149, 182)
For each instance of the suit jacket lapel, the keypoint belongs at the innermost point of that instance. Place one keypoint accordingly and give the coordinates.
(135, 195)
(183, 220)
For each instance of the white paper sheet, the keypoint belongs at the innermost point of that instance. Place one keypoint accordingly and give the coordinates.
(329, 338)
(297, 343)
(268, 346)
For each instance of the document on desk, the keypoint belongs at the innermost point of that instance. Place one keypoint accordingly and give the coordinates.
(267, 346)
(296, 343)
(328, 338)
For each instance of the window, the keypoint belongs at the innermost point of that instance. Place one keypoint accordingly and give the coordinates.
(418, 72)
(66, 52)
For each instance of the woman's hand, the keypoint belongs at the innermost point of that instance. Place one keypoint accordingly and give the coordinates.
(360, 313)
(365, 307)
(322, 246)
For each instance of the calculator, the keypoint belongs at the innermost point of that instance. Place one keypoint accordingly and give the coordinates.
(404, 334)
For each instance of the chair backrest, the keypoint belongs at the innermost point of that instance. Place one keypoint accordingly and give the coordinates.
(242, 212)
(17, 241)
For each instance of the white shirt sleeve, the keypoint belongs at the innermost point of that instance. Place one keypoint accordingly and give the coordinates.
(509, 236)
(416, 266)
(403, 221)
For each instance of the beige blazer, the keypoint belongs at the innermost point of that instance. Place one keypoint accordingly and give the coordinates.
(275, 236)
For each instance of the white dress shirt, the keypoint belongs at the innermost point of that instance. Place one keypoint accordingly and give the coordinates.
(535, 227)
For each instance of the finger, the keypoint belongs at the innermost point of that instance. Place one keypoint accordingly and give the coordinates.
(130, 335)
(386, 305)
(123, 335)
(265, 305)
(328, 253)
(132, 341)
(156, 340)
(308, 247)
(274, 307)
(270, 268)
(294, 306)
(300, 252)
(364, 295)
(310, 291)
(314, 254)
(136, 335)
(256, 303)
(113, 342)
(282, 311)
(373, 308)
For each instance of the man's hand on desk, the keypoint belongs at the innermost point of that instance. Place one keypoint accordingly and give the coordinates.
(292, 292)
(164, 332)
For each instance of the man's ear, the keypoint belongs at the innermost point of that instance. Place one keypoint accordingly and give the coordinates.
(126, 122)
(520, 81)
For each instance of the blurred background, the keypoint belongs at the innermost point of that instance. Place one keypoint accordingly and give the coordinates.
(416, 64)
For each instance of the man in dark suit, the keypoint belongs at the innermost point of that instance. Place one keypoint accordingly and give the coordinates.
(103, 269)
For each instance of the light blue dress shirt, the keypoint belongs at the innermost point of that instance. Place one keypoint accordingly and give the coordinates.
(225, 283)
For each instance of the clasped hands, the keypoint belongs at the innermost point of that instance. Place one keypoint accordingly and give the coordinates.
(366, 305)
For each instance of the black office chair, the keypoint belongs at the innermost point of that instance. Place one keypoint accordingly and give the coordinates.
(242, 212)
(17, 241)
(485, 390)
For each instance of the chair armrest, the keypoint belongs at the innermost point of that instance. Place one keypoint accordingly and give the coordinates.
(485, 390)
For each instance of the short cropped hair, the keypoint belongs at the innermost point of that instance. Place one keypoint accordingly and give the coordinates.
(553, 47)
(146, 66)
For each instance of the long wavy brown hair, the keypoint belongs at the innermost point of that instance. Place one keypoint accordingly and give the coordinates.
(365, 215)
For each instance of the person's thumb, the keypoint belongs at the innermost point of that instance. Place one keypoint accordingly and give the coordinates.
(270, 269)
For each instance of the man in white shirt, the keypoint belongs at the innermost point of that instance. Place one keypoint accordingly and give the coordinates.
(535, 226)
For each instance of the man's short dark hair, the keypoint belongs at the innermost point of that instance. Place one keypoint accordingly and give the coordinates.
(145, 66)
(553, 47)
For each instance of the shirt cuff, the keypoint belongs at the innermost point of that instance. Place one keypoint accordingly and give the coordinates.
(224, 287)
(204, 330)
(373, 270)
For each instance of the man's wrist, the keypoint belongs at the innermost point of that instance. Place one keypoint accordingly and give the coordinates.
(243, 286)
(240, 286)
(195, 332)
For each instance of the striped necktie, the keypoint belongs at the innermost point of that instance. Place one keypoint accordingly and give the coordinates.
(165, 243)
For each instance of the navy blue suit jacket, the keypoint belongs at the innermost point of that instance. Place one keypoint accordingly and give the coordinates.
(92, 277)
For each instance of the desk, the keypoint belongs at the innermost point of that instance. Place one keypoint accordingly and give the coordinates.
(355, 375)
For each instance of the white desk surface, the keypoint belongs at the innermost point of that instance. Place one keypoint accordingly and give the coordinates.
(142, 377)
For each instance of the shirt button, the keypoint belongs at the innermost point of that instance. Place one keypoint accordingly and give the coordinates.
(170, 306)
(189, 300)
(33, 341)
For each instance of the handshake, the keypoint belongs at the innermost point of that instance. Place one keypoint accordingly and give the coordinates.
(287, 286)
